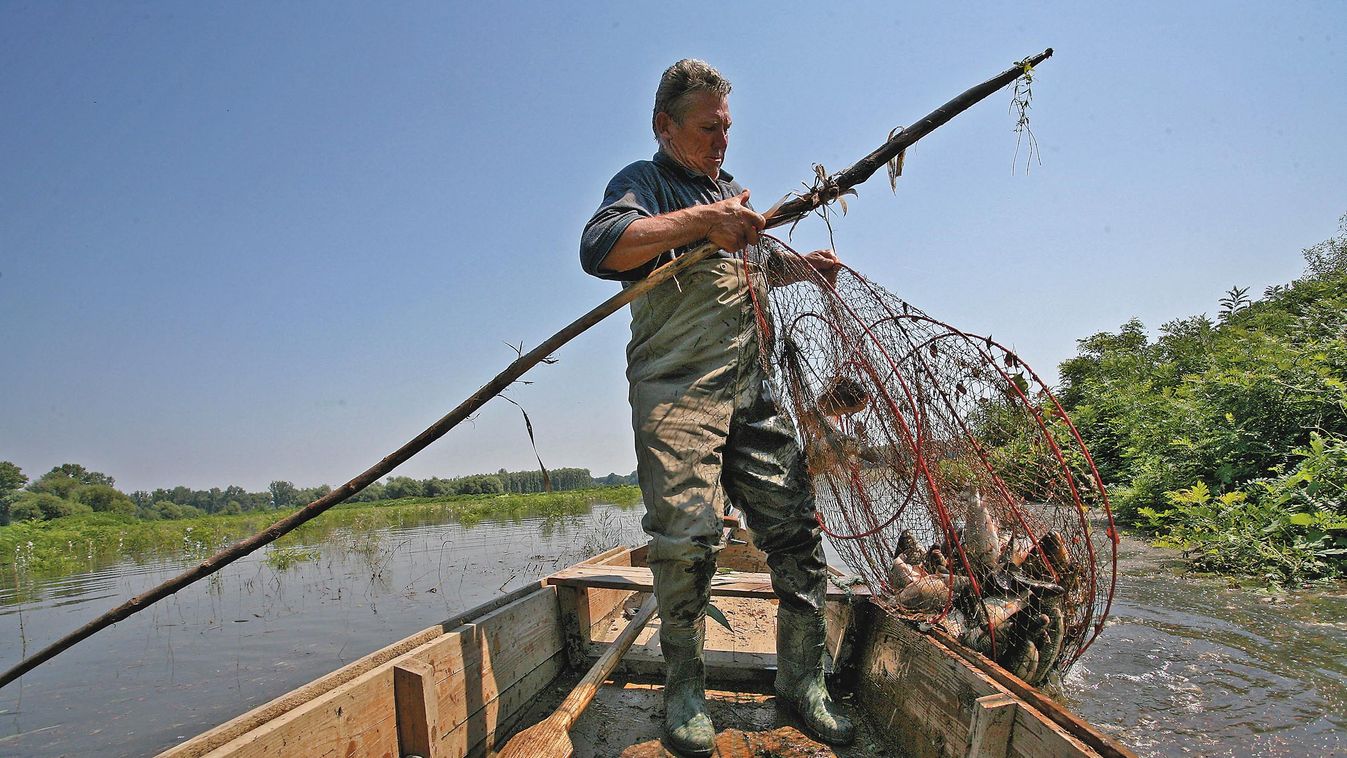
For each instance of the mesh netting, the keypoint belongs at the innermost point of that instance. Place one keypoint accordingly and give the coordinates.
(946, 474)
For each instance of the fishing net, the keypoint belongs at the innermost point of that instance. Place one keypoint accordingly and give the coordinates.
(946, 474)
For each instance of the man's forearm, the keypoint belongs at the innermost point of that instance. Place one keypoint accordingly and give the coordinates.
(646, 238)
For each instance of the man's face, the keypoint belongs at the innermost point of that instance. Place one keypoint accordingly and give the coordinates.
(700, 141)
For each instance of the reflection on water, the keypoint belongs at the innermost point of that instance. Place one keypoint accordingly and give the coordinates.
(257, 629)
(1186, 667)
(1189, 666)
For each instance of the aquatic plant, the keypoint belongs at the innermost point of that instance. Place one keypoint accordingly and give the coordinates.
(286, 557)
(76, 543)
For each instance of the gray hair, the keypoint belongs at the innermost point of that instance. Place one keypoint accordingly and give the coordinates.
(681, 80)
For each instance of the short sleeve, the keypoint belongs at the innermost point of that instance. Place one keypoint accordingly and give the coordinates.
(632, 194)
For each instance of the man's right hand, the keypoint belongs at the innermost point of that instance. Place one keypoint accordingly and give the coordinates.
(733, 225)
(729, 224)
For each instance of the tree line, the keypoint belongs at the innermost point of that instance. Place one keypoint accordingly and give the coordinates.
(71, 489)
(1227, 436)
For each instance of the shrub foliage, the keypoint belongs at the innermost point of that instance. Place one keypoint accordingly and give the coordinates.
(1228, 437)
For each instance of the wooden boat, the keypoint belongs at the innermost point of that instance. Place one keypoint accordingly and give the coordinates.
(461, 688)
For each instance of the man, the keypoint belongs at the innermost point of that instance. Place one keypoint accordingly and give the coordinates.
(707, 426)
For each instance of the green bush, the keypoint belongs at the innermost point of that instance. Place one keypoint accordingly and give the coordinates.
(103, 498)
(1227, 436)
(43, 505)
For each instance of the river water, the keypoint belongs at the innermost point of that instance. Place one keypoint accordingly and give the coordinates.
(1186, 667)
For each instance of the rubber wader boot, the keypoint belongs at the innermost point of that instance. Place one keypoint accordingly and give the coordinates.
(800, 643)
(687, 726)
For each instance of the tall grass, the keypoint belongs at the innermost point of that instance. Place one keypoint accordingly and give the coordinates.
(82, 542)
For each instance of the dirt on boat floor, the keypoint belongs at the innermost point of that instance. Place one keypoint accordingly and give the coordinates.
(627, 716)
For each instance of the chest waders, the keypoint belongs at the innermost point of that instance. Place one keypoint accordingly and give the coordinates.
(707, 431)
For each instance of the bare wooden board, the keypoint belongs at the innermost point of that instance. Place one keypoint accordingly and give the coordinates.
(639, 579)
(477, 663)
(782, 742)
(223, 734)
(356, 718)
(209, 740)
(418, 716)
(483, 672)
(627, 713)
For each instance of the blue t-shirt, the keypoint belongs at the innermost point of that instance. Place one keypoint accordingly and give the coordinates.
(641, 190)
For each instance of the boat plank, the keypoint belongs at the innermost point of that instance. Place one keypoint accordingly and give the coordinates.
(209, 740)
(599, 606)
(989, 732)
(1046, 706)
(417, 711)
(930, 693)
(358, 716)
(473, 739)
(511, 649)
(478, 661)
(640, 579)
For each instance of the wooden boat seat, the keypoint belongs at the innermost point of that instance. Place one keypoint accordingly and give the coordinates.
(639, 579)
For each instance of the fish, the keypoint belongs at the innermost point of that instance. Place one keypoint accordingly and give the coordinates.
(1022, 660)
(910, 550)
(977, 638)
(843, 396)
(955, 623)
(1050, 560)
(935, 560)
(981, 537)
(931, 593)
(1050, 643)
(996, 611)
(1017, 552)
(820, 459)
(1015, 581)
(902, 574)
(832, 450)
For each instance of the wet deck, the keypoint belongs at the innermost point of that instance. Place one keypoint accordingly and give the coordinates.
(627, 714)
(626, 719)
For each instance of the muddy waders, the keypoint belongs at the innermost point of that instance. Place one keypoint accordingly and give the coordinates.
(707, 431)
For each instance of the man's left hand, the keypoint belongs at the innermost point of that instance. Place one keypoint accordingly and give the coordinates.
(825, 262)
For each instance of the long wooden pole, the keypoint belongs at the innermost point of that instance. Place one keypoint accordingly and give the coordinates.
(551, 736)
(787, 212)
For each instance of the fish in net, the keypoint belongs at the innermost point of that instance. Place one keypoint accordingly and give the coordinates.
(946, 473)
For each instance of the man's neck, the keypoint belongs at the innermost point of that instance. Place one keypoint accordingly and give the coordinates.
(673, 158)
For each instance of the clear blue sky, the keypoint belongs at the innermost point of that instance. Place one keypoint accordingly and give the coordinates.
(253, 241)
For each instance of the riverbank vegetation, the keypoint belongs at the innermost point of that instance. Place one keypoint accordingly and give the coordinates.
(82, 541)
(70, 489)
(1228, 436)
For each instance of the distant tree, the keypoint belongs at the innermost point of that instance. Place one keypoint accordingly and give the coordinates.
(310, 494)
(402, 486)
(1328, 258)
(12, 480)
(80, 474)
(104, 498)
(55, 483)
(44, 505)
(477, 485)
(167, 509)
(370, 494)
(283, 494)
(26, 507)
(1236, 299)
(435, 487)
